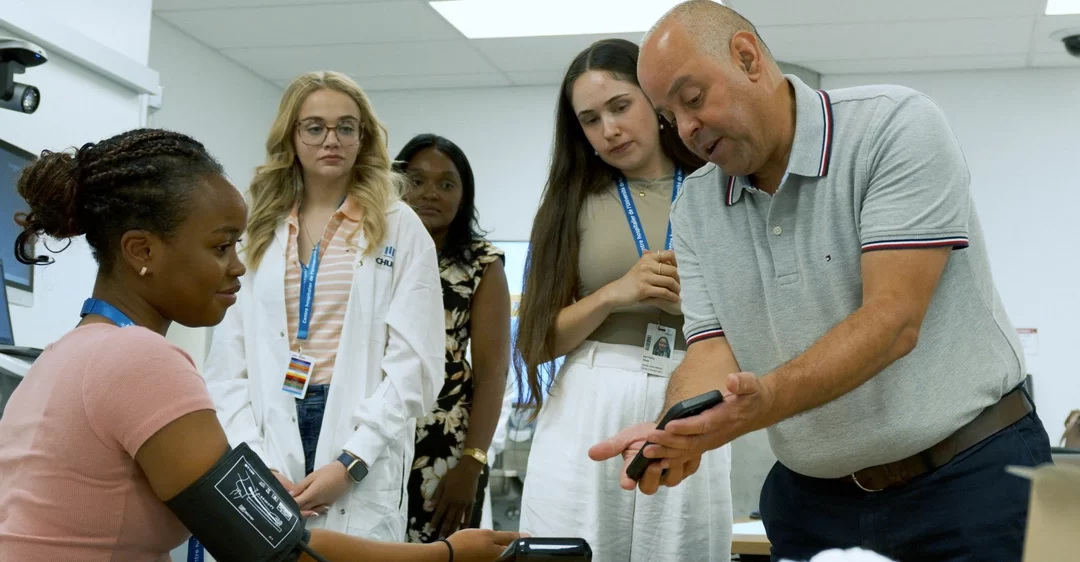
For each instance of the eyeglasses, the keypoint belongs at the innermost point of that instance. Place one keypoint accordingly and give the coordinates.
(313, 132)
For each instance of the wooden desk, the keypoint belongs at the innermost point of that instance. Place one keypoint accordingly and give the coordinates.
(750, 547)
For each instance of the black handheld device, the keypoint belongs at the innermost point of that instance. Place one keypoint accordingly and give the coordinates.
(547, 549)
(685, 409)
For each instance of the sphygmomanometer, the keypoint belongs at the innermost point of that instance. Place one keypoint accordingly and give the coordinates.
(239, 511)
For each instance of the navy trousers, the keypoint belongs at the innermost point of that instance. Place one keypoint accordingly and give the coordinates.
(968, 510)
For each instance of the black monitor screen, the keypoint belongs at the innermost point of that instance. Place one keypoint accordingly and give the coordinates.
(12, 161)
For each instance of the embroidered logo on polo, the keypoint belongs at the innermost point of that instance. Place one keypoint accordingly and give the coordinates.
(387, 258)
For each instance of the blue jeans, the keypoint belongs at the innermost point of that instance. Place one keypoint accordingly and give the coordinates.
(309, 416)
(968, 510)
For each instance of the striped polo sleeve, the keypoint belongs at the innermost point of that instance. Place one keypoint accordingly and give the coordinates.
(918, 191)
(699, 317)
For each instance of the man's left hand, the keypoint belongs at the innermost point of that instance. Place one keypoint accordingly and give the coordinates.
(747, 406)
(323, 487)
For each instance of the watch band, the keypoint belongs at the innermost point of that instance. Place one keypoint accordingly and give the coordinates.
(477, 454)
(354, 466)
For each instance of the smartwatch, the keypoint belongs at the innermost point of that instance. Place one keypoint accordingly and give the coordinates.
(354, 466)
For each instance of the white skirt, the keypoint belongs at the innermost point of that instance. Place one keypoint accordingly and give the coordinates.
(600, 390)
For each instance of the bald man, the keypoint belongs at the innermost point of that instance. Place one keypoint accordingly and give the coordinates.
(836, 288)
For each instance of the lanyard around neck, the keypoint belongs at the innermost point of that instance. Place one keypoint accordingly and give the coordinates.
(102, 308)
(632, 218)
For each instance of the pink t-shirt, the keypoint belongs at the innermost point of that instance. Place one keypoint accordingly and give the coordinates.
(69, 485)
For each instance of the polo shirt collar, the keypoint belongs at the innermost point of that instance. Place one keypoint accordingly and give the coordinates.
(811, 149)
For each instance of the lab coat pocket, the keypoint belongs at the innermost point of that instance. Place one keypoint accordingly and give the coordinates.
(371, 516)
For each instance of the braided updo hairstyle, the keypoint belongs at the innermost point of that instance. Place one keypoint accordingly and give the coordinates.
(138, 180)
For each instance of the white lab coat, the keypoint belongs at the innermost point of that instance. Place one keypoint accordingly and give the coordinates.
(388, 371)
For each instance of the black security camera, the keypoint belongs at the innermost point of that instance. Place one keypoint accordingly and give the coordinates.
(15, 57)
(1072, 44)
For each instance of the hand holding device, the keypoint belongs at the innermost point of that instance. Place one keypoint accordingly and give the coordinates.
(685, 409)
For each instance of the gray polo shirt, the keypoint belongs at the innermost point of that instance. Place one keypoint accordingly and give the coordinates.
(871, 168)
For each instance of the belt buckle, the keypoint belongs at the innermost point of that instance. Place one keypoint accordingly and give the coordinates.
(855, 479)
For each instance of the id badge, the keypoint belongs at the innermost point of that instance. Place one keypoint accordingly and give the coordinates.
(659, 344)
(298, 375)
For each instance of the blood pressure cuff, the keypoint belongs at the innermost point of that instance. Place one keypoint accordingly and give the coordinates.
(240, 511)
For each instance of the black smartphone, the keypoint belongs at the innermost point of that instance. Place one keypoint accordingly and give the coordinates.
(543, 549)
(685, 409)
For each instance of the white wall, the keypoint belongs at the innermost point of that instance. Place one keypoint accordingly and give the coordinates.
(505, 132)
(1019, 131)
(221, 104)
(78, 106)
(120, 24)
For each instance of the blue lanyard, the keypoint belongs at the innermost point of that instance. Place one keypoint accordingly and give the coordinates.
(307, 292)
(102, 308)
(634, 220)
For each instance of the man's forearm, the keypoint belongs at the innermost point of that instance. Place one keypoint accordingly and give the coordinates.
(705, 367)
(861, 346)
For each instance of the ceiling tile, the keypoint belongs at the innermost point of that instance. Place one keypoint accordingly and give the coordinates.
(324, 24)
(379, 59)
(916, 64)
(187, 5)
(536, 77)
(786, 12)
(899, 40)
(540, 53)
(431, 82)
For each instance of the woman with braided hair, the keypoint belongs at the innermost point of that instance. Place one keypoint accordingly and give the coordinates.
(113, 423)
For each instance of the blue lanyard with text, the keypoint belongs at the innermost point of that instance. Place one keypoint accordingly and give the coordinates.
(307, 292)
(102, 308)
(634, 220)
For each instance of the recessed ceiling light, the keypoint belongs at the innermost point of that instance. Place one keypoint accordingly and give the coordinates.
(1062, 7)
(487, 19)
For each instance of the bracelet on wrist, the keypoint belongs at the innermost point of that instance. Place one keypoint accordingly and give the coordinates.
(448, 546)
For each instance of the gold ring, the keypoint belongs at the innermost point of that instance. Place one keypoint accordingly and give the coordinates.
(658, 266)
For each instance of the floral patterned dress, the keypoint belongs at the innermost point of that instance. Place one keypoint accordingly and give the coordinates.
(440, 436)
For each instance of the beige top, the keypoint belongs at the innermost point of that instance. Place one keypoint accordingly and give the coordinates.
(607, 252)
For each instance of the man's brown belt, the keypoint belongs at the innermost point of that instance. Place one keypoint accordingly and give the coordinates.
(1009, 410)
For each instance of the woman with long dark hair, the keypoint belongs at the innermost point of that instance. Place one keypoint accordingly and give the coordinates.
(449, 473)
(601, 286)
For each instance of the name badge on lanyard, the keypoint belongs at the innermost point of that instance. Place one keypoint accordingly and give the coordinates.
(298, 373)
(659, 339)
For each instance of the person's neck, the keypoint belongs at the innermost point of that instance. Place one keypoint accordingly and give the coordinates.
(130, 303)
(782, 103)
(657, 167)
(323, 194)
(440, 239)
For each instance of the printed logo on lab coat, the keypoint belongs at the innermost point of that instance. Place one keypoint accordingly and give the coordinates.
(387, 258)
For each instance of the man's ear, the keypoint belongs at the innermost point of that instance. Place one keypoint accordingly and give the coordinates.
(746, 51)
(138, 250)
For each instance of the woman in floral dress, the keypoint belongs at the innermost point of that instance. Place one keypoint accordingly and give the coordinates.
(450, 469)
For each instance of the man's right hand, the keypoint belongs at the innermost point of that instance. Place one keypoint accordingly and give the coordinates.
(480, 545)
(627, 443)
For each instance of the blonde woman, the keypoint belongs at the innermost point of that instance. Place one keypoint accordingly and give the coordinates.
(336, 343)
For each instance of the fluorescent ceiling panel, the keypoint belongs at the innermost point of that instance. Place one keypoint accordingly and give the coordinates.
(1062, 7)
(488, 19)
